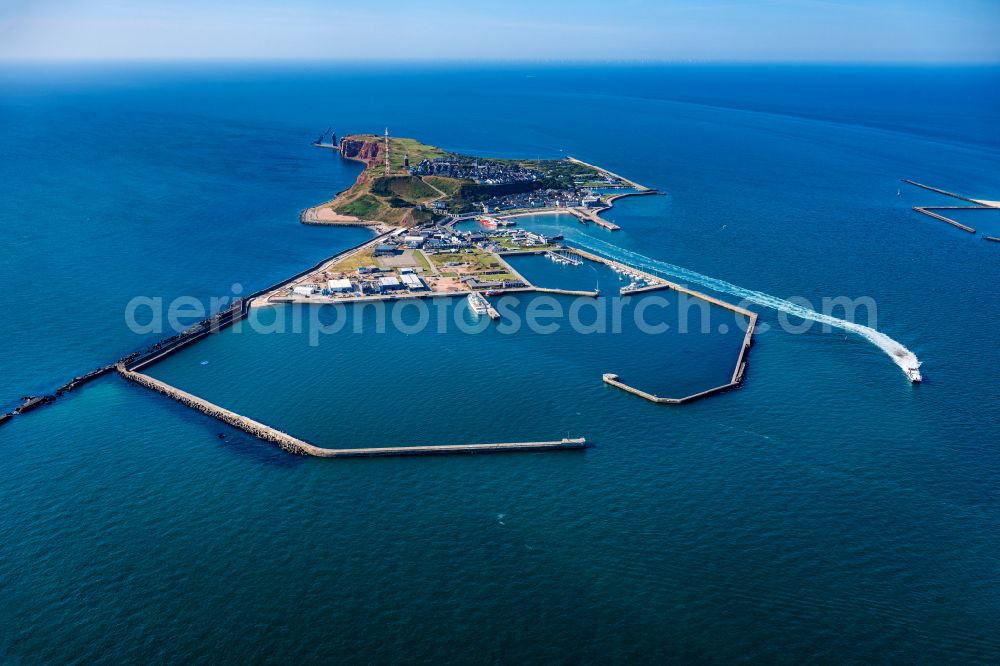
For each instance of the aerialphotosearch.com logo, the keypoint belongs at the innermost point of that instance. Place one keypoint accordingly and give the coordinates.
(651, 313)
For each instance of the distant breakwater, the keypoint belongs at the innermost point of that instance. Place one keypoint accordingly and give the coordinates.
(31, 402)
(930, 210)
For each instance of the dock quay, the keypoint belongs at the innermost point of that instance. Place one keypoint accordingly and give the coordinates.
(593, 215)
(490, 310)
(567, 292)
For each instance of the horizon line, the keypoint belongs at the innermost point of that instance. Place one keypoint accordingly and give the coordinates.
(489, 61)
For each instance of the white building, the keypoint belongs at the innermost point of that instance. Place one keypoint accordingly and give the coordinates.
(305, 289)
(339, 286)
(388, 284)
(413, 283)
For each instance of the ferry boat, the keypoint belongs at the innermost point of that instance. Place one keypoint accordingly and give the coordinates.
(489, 222)
(477, 303)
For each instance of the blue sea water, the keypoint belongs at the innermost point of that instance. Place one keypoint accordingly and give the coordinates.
(986, 221)
(430, 354)
(826, 511)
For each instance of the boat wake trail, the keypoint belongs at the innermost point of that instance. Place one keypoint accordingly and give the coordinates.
(902, 356)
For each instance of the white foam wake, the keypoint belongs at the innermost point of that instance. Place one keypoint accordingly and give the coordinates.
(902, 356)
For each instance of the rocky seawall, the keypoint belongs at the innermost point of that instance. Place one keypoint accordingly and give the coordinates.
(255, 428)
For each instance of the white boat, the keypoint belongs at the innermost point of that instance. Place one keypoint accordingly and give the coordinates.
(477, 303)
(563, 259)
(913, 373)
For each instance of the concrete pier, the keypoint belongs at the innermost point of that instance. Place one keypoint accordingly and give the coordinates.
(738, 371)
(593, 215)
(566, 292)
(614, 380)
(447, 449)
(490, 310)
(737, 378)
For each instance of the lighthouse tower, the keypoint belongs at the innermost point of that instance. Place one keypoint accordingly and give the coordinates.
(387, 151)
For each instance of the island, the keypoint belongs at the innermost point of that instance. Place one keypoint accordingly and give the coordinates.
(407, 183)
(445, 225)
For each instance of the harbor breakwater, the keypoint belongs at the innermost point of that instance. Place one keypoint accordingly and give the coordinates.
(734, 382)
(138, 360)
(248, 425)
(300, 447)
(129, 368)
(239, 310)
(32, 402)
(977, 204)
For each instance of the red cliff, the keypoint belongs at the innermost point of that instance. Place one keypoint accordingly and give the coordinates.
(368, 152)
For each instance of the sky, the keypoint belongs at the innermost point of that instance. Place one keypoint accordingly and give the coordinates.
(856, 31)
